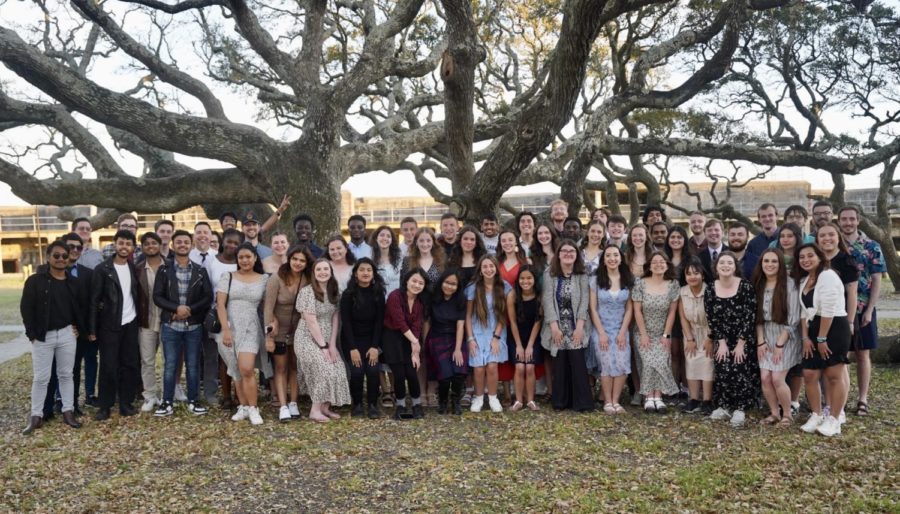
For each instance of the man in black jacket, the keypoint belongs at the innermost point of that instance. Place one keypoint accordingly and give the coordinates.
(86, 350)
(51, 320)
(113, 323)
(183, 293)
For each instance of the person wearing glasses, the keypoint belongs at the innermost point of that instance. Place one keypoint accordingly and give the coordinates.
(822, 214)
(127, 222)
(85, 350)
(51, 318)
(88, 257)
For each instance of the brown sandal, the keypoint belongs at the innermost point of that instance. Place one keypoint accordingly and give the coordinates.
(771, 420)
(786, 422)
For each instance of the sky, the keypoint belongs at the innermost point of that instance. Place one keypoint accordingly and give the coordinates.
(119, 76)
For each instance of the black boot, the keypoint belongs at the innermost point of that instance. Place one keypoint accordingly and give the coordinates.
(417, 411)
(357, 411)
(34, 423)
(102, 414)
(373, 411)
(69, 419)
(442, 406)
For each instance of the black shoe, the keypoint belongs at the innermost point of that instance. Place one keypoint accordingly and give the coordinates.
(706, 408)
(92, 401)
(102, 414)
(357, 411)
(691, 407)
(442, 407)
(34, 423)
(69, 419)
(418, 412)
(127, 410)
(457, 408)
(78, 412)
(402, 413)
(373, 411)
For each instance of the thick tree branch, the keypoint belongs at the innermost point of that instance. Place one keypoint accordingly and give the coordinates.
(177, 7)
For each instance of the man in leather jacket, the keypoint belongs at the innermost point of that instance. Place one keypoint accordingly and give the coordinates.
(113, 323)
(183, 293)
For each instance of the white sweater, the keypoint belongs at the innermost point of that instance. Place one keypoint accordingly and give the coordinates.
(828, 298)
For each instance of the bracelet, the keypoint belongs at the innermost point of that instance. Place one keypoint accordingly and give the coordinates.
(777, 346)
(821, 339)
(690, 340)
(761, 344)
(470, 340)
(667, 336)
(495, 337)
(321, 347)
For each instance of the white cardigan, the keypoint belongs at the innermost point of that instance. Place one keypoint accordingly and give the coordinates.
(828, 298)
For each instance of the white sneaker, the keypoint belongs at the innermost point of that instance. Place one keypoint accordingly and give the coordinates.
(737, 418)
(149, 405)
(284, 414)
(294, 410)
(241, 413)
(719, 414)
(179, 394)
(477, 403)
(826, 411)
(255, 418)
(494, 403)
(830, 427)
(812, 423)
(842, 418)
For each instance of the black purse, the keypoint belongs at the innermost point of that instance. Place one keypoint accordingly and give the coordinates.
(211, 323)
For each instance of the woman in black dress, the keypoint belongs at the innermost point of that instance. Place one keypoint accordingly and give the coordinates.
(523, 306)
(446, 356)
(731, 311)
(362, 321)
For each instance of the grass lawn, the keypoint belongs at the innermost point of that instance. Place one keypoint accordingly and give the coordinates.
(9, 304)
(511, 462)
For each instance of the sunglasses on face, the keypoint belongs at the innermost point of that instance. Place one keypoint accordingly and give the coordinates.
(60, 255)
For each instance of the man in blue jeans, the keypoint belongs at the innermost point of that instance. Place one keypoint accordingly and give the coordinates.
(183, 293)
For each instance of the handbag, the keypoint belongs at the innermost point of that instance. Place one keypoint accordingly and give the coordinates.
(211, 323)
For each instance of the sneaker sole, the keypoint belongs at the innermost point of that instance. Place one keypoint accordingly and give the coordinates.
(166, 415)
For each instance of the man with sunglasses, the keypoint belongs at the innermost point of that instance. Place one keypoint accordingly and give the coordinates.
(51, 317)
(86, 350)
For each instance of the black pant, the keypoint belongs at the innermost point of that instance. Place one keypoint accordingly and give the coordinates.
(456, 382)
(358, 374)
(405, 374)
(571, 388)
(120, 365)
(86, 351)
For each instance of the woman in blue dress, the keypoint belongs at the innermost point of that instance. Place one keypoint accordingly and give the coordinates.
(611, 312)
(486, 330)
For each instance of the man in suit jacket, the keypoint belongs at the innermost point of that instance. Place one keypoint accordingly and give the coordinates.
(113, 323)
(86, 350)
(714, 231)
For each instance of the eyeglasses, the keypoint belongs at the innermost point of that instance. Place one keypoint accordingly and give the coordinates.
(74, 248)
(127, 226)
(568, 252)
(60, 255)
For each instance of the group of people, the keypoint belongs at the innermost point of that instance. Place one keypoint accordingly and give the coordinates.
(708, 314)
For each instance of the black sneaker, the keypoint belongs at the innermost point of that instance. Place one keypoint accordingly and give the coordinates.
(164, 409)
(373, 411)
(92, 401)
(127, 411)
(706, 408)
(196, 409)
(102, 414)
(418, 412)
(691, 407)
(357, 411)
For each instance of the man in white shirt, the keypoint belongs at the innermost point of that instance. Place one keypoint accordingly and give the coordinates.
(202, 251)
(408, 228)
(356, 226)
(490, 233)
(114, 286)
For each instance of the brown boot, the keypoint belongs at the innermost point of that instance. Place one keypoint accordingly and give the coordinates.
(69, 419)
(33, 424)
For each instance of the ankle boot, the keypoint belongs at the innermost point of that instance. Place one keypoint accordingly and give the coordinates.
(442, 406)
(69, 419)
(34, 423)
(401, 412)
(418, 412)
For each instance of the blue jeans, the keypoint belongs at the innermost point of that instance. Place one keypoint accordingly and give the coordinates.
(174, 343)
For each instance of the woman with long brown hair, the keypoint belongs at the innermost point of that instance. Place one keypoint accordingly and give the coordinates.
(777, 332)
(281, 320)
(486, 330)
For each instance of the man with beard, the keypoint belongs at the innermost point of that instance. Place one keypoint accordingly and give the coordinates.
(822, 213)
(738, 235)
(659, 231)
(490, 232)
(697, 241)
(559, 211)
